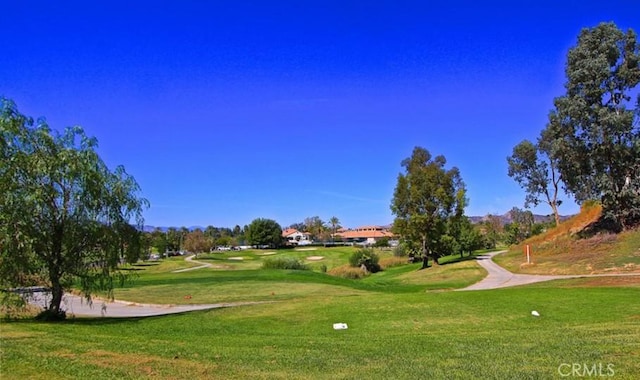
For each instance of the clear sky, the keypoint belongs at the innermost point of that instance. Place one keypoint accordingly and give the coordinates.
(229, 111)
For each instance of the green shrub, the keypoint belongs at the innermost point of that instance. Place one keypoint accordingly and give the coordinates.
(366, 257)
(284, 263)
(400, 251)
(382, 242)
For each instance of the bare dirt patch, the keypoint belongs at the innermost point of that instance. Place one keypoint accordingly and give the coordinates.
(315, 258)
(145, 365)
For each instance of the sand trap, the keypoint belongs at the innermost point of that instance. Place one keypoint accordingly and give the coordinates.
(238, 258)
(306, 249)
(267, 253)
(315, 258)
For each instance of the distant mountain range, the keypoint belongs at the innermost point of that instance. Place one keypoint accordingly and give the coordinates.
(507, 218)
(147, 228)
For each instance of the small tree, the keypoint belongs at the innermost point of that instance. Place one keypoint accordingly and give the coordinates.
(365, 257)
(196, 241)
(426, 200)
(470, 238)
(316, 227)
(335, 224)
(493, 230)
(382, 242)
(264, 232)
(536, 173)
(159, 241)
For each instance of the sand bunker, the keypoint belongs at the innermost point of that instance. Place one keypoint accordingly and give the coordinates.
(315, 258)
(267, 253)
(306, 249)
(238, 258)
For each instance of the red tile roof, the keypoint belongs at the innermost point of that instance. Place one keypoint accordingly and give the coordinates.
(289, 231)
(365, 233)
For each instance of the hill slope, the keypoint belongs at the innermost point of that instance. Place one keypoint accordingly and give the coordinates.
(562, 250)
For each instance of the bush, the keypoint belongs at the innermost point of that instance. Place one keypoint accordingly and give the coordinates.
(366, 257)
(349, 272)
(400, 251)
(284, 263)
(382, 242)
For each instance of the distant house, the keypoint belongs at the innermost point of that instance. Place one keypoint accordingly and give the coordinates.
(365, 234)
(295, 237)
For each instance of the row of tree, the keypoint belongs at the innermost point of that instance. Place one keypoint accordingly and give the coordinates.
(591, 143)
(590, 147)
(261, 232)
(197, 240)
(319, 229)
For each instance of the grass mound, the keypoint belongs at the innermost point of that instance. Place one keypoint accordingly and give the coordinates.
(567, 249)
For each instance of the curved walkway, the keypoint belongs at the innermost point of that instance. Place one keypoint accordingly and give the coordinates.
(190, 258)
(498, 277)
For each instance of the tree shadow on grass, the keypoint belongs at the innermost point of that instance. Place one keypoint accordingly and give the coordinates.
(100, 321)
(145, 264)
(454, 259)
(601, 226)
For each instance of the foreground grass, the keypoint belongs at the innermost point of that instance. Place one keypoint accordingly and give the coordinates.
(402, 325)
(464, 335)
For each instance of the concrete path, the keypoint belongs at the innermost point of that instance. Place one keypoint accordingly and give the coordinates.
(498, 277)
(190, 258)
(77, 306)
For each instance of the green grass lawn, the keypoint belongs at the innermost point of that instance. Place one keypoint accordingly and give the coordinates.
(399, 328)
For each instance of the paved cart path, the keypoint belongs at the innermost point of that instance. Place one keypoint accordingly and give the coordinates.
(498, 277)
(191, 259)
(78, 306)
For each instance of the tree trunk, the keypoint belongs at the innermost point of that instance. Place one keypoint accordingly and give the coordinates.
(56, 295)
(554, 207)
(425, 262)
(425, 253)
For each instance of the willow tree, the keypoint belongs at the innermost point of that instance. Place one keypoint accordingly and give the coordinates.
(594, 129)
(427, 201)
(65, 218)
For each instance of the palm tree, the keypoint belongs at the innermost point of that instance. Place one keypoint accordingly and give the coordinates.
(335, 224)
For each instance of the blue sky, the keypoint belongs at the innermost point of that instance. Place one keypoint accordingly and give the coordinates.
(229, 111)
